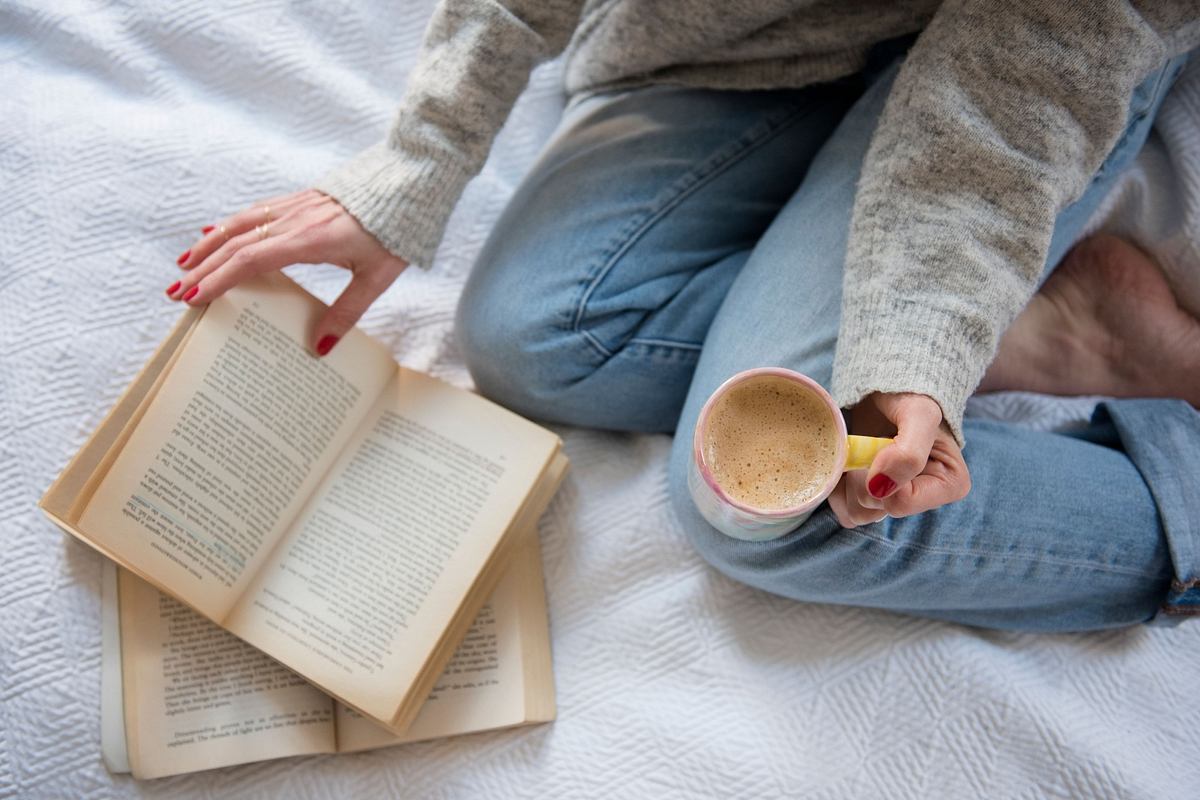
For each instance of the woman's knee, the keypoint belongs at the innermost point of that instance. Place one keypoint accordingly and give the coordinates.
(544, 370)
(522, 352)
(513, 352)
(519, 336)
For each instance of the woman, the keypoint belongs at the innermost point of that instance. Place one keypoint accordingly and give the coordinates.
(747, 185)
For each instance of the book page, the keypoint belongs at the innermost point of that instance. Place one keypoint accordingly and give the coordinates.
(483, 685)
(379, 563)
(66, 498)
(244, 426)
(197, 697)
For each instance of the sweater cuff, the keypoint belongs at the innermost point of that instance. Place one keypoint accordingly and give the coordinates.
(402, 201)
(896, 345)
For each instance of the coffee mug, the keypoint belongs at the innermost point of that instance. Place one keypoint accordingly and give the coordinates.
(769, 447)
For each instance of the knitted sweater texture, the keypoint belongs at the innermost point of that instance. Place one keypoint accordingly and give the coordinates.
(999, 118)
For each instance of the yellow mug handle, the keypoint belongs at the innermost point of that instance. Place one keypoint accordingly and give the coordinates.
(861, 450)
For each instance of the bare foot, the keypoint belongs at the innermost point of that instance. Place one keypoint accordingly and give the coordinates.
(1105, 323)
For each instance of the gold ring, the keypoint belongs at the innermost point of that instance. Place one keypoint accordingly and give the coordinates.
(224, 232)
(266, 214)
(263, 231)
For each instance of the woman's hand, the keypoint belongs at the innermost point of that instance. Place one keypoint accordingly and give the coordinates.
(921, 470)
(303, 228)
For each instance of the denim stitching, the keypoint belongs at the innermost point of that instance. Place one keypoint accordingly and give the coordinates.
(1135, 119)
(1039, 558)
(689, 183)
(667, 343)
(594, 342)
(1106, 167)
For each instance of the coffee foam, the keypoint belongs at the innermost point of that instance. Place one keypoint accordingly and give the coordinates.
(771, 443)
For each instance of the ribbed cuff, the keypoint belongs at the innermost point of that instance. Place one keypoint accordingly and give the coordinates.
(402, 201)
(901, 346)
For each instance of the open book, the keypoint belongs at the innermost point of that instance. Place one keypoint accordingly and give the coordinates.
(344, 515)
(180, 694)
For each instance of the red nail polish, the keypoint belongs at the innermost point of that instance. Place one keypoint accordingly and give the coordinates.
(173, 288)
(186, 255)
(207, 229)
(881, 486)
(190, 293)
(326, 344)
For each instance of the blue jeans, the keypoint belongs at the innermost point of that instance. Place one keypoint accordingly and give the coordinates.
(668, 238)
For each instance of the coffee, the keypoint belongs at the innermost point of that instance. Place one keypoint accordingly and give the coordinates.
(771, 443)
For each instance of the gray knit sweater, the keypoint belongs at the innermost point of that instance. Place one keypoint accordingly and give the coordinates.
(1000, 116)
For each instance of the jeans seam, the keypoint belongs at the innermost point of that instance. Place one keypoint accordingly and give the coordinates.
(591, 339)
(1136, 117)
(1041, 559)
(667, 343)
(685, 186)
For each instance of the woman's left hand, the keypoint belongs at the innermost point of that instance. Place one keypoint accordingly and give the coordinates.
(923, 469)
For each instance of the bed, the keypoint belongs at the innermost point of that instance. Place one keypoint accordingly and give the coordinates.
(127, 127)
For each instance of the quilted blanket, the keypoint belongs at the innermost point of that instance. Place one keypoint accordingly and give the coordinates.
(125, 127)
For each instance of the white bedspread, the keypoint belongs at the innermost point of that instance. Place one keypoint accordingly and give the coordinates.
(125, 128)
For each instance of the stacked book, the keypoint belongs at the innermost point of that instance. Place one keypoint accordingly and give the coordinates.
(315, 555)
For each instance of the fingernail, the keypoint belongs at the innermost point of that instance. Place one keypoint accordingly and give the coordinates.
(326, 344)
(173, 288)
(881, 486)
(207, 229)
(186, 255)
(190, 293)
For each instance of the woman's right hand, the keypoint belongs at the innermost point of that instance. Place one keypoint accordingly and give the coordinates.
(921, 470)
(306, 227)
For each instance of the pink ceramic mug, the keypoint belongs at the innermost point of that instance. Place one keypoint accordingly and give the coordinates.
(742, 521)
